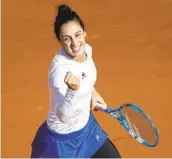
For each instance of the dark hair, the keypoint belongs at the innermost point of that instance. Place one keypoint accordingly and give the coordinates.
(65, 14)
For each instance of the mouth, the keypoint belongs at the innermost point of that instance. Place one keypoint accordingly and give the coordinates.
(76, 48)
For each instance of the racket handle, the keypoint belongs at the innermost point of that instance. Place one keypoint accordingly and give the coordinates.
(101, 107)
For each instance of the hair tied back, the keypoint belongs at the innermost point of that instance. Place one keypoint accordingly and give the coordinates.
(64, 9)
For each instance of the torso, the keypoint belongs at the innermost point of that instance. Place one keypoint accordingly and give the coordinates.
(86, 72)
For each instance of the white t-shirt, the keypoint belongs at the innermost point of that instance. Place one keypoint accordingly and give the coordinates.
(69, 110)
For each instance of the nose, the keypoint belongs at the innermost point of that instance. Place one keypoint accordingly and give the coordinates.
(74, 41)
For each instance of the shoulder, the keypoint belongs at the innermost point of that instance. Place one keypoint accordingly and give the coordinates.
(88, 50)
(60, 57)
(59, 60)
(88, 47)
(57, 71)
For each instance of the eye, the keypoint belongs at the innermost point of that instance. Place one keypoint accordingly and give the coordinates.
(78, 34)
(66, 39)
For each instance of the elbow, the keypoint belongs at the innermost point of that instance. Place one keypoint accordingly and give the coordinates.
(64, 116)
(64, 119)
(63, 112)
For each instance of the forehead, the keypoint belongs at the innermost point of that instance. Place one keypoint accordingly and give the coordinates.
(70, 27)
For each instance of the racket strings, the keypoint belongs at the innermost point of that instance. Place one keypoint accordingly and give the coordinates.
(132, 125)
(139, 124)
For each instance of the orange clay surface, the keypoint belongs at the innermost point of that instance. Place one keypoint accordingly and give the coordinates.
(132, 49)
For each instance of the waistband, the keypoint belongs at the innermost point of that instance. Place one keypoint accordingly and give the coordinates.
(73, 135)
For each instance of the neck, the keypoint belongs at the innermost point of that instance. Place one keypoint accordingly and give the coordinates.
(80, 58)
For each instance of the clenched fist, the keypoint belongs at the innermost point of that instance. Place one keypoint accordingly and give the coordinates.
(72, 81)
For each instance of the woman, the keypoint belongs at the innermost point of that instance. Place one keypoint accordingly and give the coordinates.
(70, 129)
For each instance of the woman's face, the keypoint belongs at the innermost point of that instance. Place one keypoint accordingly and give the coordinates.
(72, 38)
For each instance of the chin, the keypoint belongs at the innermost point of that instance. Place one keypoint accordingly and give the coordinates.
(79, 53)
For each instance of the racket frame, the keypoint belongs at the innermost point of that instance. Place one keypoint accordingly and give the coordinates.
(123, 122)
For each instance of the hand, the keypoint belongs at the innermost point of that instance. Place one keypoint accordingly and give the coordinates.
(96, 98)
(72, 81)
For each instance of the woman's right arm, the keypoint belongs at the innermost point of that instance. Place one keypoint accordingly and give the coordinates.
(63, 98)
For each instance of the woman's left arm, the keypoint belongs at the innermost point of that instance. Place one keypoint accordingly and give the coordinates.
(96, 97)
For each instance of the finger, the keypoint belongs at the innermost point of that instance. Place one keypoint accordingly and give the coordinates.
(77, 81)
(71, 79)
(101, 101)
(67, 77)
(100, 106)
(74, 80)
(95, 109)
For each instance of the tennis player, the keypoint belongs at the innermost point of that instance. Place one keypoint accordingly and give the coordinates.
(70, 130)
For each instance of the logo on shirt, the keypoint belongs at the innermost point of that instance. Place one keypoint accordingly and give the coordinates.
(83, 75)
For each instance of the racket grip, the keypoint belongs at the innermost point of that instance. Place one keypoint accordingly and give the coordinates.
(100, 106)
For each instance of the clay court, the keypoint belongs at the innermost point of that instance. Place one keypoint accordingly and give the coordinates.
(132, 49)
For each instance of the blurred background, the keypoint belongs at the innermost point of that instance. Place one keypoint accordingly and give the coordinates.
(132, 49)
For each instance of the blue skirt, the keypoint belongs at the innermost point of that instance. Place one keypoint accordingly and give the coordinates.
(79, 144)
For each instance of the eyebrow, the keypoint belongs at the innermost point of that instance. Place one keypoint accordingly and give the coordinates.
(69, 36)
(78, 32)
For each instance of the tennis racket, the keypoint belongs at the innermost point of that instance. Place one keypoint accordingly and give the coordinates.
(135, 121)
